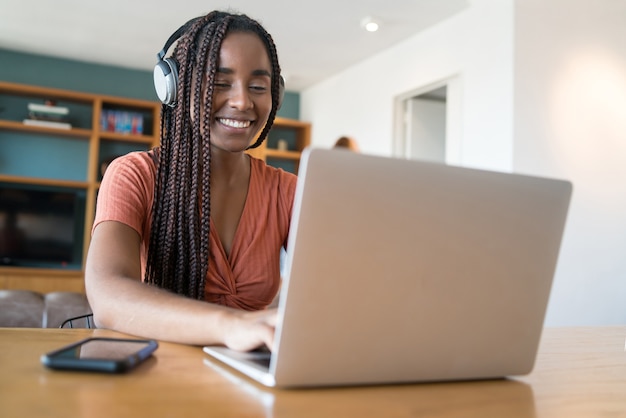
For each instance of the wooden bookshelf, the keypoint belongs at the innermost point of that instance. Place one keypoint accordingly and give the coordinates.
(87, 133)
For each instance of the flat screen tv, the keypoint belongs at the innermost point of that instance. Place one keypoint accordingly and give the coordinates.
(41, 227)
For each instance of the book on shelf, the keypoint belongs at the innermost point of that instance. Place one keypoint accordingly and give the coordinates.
(120, 121)
(48, 123)
(49, 109)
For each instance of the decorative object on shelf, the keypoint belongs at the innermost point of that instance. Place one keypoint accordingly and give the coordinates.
(282, 145)
(121, 121)
(48, 115)
(49, 108)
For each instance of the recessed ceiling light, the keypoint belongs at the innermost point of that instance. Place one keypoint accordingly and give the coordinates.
(369, 24)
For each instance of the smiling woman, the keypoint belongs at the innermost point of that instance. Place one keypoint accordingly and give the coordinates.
(187, 237)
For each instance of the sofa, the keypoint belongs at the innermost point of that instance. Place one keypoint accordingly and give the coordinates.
(29, 309)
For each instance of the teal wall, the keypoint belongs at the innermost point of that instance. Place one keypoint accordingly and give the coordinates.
(45, 71)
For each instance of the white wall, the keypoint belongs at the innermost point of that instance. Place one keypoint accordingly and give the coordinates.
(570, 122)
(549, 100)
(476, 45)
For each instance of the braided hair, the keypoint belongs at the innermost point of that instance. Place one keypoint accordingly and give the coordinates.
(178, 252)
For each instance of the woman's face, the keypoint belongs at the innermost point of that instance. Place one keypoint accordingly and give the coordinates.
(242, 98)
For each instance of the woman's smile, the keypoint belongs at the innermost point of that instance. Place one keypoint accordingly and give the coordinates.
(234, 123)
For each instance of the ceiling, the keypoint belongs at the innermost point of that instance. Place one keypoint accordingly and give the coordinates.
(315, 39)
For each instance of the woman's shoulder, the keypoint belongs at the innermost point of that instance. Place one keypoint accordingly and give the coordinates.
(138, 158)
(272, 174)
(136, 161)
(135, 168)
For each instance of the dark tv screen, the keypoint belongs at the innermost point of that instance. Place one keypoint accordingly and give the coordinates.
(41, 227)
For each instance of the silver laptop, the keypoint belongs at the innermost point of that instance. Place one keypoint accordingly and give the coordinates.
(403, 271)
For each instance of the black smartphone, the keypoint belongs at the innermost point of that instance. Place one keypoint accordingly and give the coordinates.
(99, 354)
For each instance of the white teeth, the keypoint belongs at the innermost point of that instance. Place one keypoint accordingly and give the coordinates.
(235, 123)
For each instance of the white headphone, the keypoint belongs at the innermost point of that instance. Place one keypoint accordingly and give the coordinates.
(166, 70)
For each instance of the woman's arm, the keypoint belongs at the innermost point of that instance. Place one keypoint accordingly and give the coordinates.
(121, 301)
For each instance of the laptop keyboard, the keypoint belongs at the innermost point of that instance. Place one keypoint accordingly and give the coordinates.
(260, 356)
(261, 359)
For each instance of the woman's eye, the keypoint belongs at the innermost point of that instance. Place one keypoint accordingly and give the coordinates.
(258, 88)
(222, 84)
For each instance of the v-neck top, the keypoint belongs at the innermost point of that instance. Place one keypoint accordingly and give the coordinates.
(248, 279)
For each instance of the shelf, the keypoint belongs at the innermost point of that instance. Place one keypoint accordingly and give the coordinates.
(42, 280)
(291, 123)
(25, 271)
(46, 92)
(140, 139)
(5, 178)
(74, 132)
(10, 125)
(286, 155)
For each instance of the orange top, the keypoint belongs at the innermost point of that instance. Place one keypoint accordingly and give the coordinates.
(250, 278)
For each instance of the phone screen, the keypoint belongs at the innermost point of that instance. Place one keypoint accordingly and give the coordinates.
(100, 354)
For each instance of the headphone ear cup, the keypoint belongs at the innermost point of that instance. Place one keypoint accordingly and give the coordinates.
(166, 80)
(281, 91)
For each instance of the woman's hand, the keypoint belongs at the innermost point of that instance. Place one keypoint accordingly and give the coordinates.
(251, 330)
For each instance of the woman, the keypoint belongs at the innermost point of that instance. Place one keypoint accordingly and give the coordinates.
(186, 242)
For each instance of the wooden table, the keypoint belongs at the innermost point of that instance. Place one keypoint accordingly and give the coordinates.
(580, 372)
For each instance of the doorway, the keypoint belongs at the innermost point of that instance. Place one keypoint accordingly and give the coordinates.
(428, 123)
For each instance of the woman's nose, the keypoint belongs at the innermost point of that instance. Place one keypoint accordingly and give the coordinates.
(240, 98)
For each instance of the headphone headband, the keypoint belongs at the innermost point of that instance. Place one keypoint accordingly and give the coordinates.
(174, 37)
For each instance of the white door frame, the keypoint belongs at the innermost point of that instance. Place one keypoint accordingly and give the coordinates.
(401, 143)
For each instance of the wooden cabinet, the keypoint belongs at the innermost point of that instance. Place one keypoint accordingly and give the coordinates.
(68, 160)
(284, 144)
(63, 157)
